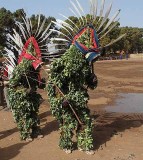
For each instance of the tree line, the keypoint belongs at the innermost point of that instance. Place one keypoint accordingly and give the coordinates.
(132, 42)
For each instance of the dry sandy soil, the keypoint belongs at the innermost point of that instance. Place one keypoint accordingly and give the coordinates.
(117, 136)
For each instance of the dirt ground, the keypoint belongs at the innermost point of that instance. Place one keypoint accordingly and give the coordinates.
(117, 136)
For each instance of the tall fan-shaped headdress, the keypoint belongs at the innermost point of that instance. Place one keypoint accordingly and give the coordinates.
(91, 27)
(27, 36)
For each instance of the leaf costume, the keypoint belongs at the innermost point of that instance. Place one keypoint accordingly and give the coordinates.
(73, 73)
(72, 81)
(24, 99)
(25, 69)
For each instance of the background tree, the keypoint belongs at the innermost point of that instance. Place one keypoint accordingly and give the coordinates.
(133, 41)
(6, 24)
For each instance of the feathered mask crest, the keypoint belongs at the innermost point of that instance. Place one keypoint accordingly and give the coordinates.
(27, 35)
(89, 29)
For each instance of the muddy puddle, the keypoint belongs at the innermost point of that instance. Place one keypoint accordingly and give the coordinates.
(127, 103)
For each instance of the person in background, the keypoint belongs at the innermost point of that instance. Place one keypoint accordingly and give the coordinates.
(127, 55)
(6, 77)
(121, 54)
(1, 87)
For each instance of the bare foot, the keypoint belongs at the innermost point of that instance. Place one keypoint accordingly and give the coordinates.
(28, 139)
(68, 151)
(90, 152)
(40, 136)
(80, 149)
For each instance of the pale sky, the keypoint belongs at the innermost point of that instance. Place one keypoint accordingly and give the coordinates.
(131, 10)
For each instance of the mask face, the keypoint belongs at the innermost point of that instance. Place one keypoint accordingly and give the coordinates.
(87, 42)
(31, 51)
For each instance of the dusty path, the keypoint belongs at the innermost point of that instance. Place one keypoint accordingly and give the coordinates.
(116, 136)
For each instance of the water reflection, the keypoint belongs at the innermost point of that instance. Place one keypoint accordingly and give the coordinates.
(128, 103)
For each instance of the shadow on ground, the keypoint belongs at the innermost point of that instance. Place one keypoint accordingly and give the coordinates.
(109, 124)
(10, 152)
(4, 134)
